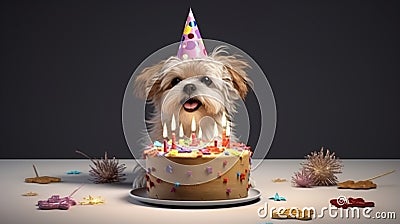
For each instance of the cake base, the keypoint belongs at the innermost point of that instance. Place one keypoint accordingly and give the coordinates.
(140, 195)
(232, 184)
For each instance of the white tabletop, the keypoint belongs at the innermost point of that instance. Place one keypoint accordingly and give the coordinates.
(119, 208)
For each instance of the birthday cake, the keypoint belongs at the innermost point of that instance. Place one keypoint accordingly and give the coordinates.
(192, 173)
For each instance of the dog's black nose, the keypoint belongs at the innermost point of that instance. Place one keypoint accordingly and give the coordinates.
(189, 88)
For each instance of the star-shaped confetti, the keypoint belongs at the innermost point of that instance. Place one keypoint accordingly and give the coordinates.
(92, 200)
(74, 172)
(276, 197)
(30, 193)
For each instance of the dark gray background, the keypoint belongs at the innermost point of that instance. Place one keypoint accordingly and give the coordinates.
(333, 67)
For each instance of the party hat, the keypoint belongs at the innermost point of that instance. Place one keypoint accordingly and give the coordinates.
(192, 45)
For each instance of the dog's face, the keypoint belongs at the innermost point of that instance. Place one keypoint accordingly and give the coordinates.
(196, 88)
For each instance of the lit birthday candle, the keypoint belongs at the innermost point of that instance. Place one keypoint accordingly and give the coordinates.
(165, 136)
(200, 135)
(228, 133)
(193, 128)
(173, 128)
(223, 123)
(215, 134)
(181, 134)
(223, 120)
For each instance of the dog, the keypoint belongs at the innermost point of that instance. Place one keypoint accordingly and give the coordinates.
(203, 90)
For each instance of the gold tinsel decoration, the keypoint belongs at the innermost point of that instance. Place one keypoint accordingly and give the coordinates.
(105, 170)
(323, 167)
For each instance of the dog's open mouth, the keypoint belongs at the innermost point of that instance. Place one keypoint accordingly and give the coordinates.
(192, 105)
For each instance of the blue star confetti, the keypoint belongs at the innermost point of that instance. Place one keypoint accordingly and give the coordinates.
(276, 197)
(74, 172)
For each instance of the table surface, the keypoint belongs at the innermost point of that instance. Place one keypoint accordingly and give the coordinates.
(120, 208)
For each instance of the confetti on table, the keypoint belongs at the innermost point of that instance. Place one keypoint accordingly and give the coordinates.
(74, 172)
(30, 193)
(279, 180)
(276, 197)
(41, 179)
(90, 200)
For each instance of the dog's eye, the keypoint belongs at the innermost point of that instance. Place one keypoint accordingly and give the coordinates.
(175, 81)
(206, 80)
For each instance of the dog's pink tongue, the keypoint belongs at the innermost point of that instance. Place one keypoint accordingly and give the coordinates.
(191, 105)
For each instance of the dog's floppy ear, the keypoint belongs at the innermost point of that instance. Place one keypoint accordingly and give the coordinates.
(235, 67)
(147, 83)
(239, 78)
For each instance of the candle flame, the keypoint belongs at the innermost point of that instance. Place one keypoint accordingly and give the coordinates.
(193, 125)
(165, 131)
(215, 129)
(228, 129)
(200, 135)
(181, 133)
(173, 123)
(223, 120)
